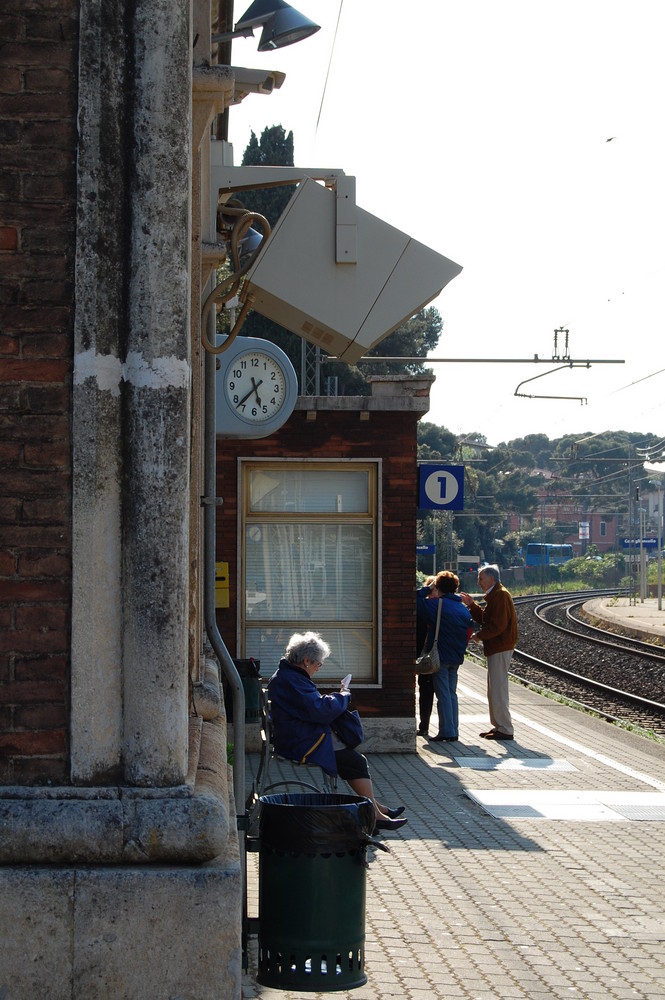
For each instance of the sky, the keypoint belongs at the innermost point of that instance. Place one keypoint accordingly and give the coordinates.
(482, 129)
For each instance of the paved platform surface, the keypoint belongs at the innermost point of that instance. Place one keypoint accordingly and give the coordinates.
(635, 615)
(528, 869)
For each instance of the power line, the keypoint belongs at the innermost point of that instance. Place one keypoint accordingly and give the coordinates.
(332, 50)
(535, 360)
(637, 381)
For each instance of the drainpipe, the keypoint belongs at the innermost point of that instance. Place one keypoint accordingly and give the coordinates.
(226, 663)
(209, 514)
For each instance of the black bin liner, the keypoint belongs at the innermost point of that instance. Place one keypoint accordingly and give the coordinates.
(313, 823)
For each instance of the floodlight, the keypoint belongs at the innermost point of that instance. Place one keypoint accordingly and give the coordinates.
(284, 28)
(282, 25)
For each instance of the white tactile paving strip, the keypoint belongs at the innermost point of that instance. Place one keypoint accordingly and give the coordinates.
(515, 764)
(583, 806)
(576, 806)
(567, 743)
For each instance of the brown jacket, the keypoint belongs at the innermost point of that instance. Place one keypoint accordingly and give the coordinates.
(497, 619)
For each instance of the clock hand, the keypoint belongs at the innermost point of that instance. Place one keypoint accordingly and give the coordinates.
(245, 397)
(256, 389)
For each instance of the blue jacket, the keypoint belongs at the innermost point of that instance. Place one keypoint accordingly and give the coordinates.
(454, 627)
(301, 716)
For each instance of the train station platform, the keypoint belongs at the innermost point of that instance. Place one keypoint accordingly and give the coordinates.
(529, 870)
(639, 618)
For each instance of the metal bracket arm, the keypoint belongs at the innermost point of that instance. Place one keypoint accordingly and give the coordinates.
(571, 364)
(227, 180)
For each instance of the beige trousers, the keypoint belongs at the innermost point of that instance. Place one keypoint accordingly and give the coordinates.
(497, 691)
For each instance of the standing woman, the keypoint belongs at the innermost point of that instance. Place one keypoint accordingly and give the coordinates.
(425, 681)
(454, 630)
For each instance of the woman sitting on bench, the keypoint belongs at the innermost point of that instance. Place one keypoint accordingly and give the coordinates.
(303, 722)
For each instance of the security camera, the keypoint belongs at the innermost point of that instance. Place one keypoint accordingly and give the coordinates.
(255, 81)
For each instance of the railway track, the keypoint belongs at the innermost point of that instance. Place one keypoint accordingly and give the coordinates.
(616, 676)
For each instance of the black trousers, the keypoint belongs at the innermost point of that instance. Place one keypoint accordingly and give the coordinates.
(426, 699)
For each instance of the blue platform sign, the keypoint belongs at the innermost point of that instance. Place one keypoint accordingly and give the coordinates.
(441, 487)
(634, 543)
(425, 550)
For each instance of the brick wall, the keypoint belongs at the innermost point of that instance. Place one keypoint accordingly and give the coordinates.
(38, 102)
(390, 436)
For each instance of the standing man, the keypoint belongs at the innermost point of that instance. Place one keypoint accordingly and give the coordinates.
(498, 634)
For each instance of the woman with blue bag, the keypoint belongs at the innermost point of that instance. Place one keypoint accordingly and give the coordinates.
(316, 728)
(453, 637)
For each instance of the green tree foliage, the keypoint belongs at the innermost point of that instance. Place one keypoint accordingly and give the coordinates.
(414, 338)
(537, 447)
(275, 149)
(599, 466)
(435, 442)
(592, 572)
(513, 492)
(510, 490)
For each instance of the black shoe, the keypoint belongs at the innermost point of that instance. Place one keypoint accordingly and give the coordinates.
(390, 824)
(394, 813)
(422, 731)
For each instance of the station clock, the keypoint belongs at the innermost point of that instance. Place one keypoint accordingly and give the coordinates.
(256, 389)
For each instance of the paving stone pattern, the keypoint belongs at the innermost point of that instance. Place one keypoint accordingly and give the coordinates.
(467, 905)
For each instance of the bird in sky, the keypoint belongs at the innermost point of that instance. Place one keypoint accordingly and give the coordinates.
(610, 138)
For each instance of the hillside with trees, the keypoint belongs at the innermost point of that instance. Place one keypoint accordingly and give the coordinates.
(533, 489)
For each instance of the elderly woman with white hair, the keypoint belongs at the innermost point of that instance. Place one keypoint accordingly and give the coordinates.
(303, 721)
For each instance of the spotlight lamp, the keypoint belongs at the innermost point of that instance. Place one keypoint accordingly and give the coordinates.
(282, 25)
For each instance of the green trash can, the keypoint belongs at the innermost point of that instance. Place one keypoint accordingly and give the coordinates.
(312, 874)
(250, 677)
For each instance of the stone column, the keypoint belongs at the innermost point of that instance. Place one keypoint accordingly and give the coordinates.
(131, 421)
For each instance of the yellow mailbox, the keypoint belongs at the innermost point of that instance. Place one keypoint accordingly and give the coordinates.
(221, 585)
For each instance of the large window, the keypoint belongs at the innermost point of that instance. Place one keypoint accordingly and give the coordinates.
(309, 561)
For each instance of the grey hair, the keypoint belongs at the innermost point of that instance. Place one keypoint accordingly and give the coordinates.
(309, 646)
(491, 570)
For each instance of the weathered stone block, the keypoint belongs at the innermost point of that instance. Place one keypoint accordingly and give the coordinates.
(129, 933)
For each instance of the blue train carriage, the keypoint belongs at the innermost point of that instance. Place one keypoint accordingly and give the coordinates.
(543, 554)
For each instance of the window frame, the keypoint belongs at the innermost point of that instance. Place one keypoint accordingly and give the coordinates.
(374, 466)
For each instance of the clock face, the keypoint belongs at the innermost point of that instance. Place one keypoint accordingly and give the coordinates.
(255, 386)
(256, 389)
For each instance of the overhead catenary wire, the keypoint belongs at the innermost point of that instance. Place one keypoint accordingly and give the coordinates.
(535, 360)
(332, 52)
(637, 381)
